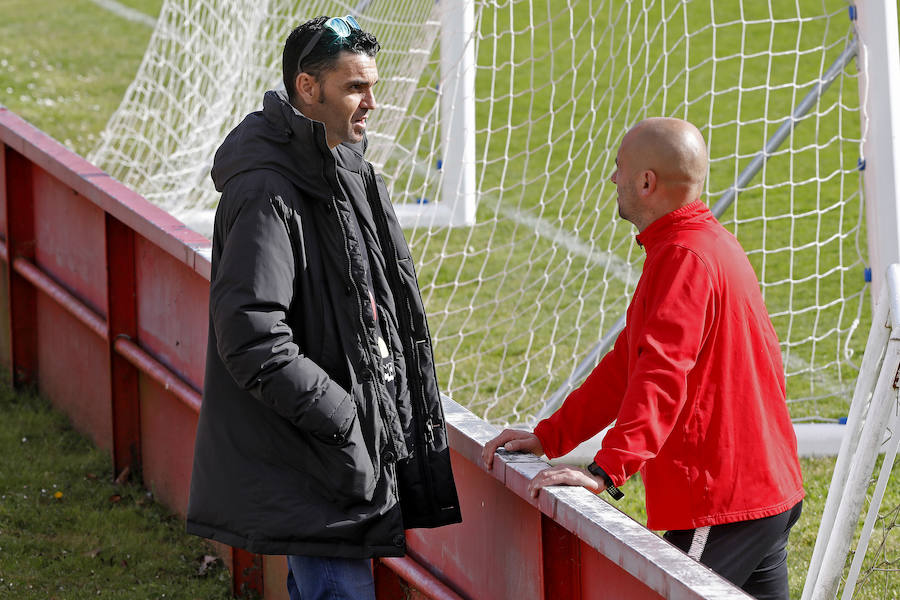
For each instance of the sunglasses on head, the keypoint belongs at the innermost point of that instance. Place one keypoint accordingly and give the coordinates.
(340, 26)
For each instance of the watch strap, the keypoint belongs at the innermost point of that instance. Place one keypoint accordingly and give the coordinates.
(611, 489)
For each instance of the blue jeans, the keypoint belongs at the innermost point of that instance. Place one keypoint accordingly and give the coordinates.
(324, 578)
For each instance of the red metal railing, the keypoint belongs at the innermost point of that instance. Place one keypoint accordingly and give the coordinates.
(107, 302)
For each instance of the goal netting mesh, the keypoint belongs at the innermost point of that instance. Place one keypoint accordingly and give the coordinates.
(516, 300)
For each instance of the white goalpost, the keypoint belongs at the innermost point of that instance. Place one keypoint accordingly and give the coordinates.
(873, 426)
(496, 131)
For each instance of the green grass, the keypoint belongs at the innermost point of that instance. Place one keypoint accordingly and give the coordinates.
(67, 531)
(65, 64)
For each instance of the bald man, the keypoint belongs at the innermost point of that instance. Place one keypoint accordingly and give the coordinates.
(694, 383)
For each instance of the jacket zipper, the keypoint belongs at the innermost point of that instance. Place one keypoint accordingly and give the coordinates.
(335, 185)
(368, 354)
(405, 322)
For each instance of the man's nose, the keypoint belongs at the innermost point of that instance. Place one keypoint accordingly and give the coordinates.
(369, 100)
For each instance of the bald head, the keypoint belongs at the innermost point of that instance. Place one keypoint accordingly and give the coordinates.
(672, 148)
(661, 166)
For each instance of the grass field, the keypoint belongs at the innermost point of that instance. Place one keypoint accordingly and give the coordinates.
(68, 532)
(511, 311)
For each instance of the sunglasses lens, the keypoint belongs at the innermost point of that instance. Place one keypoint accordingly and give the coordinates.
(349, 19)
(339, 26)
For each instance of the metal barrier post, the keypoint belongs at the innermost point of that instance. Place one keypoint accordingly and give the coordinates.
(20, 243)
(562, 561)
(122, 320)
(246, 573)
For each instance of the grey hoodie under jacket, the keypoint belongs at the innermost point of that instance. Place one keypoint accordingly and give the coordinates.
(300, 448)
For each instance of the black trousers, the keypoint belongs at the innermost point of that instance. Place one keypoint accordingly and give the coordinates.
(750, 554)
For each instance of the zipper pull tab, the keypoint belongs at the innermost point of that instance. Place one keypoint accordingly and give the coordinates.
(429, 431)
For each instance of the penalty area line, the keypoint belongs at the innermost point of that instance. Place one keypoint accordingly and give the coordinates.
(126, 12)
(617, 267)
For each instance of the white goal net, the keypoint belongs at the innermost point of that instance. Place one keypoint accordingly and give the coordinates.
(519, 298)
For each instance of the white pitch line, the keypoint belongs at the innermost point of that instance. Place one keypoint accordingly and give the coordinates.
(618, 268)
(126, 12)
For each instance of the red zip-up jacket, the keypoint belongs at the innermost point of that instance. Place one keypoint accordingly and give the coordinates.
(695, 384)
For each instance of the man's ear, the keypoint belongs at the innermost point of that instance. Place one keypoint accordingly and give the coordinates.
(306, 87)
(648, 182)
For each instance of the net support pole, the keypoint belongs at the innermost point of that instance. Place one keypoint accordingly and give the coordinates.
(865, 535)
(824, 584)
(725, 200)
(457, 100)
(879, 92)
(865, 383)
(893, 287)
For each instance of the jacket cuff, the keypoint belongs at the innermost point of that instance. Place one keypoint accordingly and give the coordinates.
(548, 436)
(613, 472)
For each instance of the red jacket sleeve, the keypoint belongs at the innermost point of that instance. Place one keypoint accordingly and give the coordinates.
(678, 311)
(588, 409)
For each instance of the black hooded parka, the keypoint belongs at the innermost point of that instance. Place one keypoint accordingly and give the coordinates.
(301, 448)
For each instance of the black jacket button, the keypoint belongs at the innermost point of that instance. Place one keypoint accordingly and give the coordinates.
(399, 540)
(338, 438)
(389, 457)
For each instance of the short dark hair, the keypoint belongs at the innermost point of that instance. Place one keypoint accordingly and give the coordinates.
(324, 54)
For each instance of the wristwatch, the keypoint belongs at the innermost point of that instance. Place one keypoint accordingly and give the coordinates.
(595, 470)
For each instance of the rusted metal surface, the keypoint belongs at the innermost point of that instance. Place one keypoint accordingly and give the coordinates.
(107, 304)
(69, 240)
(247, 573)
(496, 551)
(168, 428)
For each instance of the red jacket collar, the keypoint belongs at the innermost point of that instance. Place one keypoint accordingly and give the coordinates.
(663, 226)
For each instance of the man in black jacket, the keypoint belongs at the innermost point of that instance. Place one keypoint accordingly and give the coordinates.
(321, 434)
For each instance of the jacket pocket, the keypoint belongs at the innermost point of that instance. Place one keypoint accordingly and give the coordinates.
(342, 466)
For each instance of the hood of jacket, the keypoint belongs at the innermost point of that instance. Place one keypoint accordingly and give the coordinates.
(281, 139)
